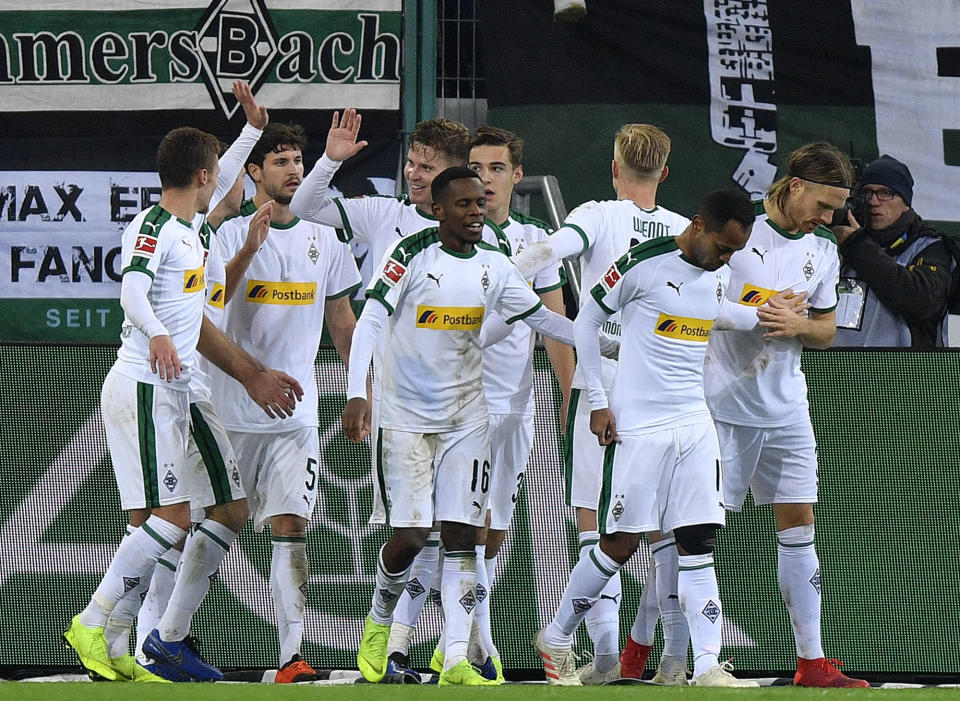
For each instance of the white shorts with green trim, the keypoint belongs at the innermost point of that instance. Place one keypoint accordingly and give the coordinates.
(511, 438)
(279, 471)
(146, 428)
(662, 479)
(212, 468)
(778, 465)
(583, 455)
(428, 477)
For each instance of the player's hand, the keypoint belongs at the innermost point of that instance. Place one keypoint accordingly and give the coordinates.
(277, 393)
(788, 299)
(781, 322)
(842, 233)
(164, 359)
(342, 138)
(604, 426)
(256, 114)
(259, 227)
(356, 419)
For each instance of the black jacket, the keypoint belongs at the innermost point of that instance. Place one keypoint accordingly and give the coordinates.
(916, 292)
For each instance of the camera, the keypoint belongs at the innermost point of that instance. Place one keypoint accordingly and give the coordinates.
(855, 204)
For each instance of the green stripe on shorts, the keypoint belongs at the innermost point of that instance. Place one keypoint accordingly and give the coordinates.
(147, 439)
(606, 487)
(380, 478)
(212, 457)
(568, 444)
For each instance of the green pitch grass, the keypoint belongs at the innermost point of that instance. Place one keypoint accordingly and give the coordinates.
(60, 691)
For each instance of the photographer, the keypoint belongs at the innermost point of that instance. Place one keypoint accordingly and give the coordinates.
(895, 269)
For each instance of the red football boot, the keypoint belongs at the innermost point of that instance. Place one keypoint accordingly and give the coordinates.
(823, 672)
(633, 659)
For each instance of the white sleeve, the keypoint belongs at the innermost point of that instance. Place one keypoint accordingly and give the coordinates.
(736, 317)
(364, 340)
(551, 325)
(494, 329)
(311, 201)
(586, 331)
(565, 242)
(136, 305)
(232, 160)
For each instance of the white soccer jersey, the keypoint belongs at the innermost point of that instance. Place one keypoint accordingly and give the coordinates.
(436, 298)
(379, 221)
(668, 306)
(216, 272)
(276, 314)
(754, 381)
(508, 365)
(172, 252)
(608, 229)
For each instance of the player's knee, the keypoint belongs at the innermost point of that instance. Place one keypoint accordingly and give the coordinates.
(232, 515)
(696, 540)
(410, 541)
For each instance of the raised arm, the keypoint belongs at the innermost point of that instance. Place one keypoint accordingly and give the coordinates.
(563, 243)
(232, 160)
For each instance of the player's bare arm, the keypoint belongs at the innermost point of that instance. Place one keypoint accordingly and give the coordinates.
(604, 426)
(273, 391)
(342, 138)
(356, 419)
(816, 331)
(560, 354)
(256, 114)
(257, 231)
(164, 359)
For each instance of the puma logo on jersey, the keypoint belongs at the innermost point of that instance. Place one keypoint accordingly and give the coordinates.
(152, 226)
(187, 242)
(477, 504)
(754, 250)
(436, 279)
(399, 233)
(675, 286)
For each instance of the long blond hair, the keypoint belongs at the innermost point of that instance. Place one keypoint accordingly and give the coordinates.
(818, 162)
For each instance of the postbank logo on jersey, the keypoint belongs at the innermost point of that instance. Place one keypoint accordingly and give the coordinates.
(218, 297)
(194, 280)
(449, 318)
(288, 293)
(753, 296)
(683, 328)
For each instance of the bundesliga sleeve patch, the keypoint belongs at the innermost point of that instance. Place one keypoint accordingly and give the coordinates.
(610, 278)
(392, 272)
(145, 245)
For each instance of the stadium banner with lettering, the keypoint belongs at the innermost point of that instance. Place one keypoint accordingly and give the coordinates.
(886, 536)
(736, 84)
(89, 88)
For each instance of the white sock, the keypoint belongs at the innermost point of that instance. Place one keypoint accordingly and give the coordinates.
(202, 556)
(676, 633)
(386, 591)
(587, 580)
(133, 562)
(120, 623)
(458, 589)
(648, 611)
(798, 568)
(700, 601)
(490, 564)
(414, 594)
(603, 618)
(483, 609)
(155, 603)
(289, 571)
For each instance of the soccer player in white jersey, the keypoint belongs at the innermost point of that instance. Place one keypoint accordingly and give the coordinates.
(757, 392)
(497, 156)
(145, 395)
(598, 233)
(661, 468)
(432, 439)
(282, 287)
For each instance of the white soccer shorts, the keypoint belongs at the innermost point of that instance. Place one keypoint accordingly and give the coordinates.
(146, 428)
(583, 455)
(280, 472)
(511, 438)
(428, 477)
(212, 468)
(778, 465)
(662, 479)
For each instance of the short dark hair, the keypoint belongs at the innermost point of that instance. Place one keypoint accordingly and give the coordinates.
(722, 206)
(445, 177)
(277, 138)
(494, 136)
(183, 152)
(445, 136)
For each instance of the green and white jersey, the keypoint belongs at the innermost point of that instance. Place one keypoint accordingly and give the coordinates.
(608, 228)
(379, 221)
(508, 365)
(276, 313)
(200, 386)
(436, 300)
(668, 305)
(172, 252)
(752, 381)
